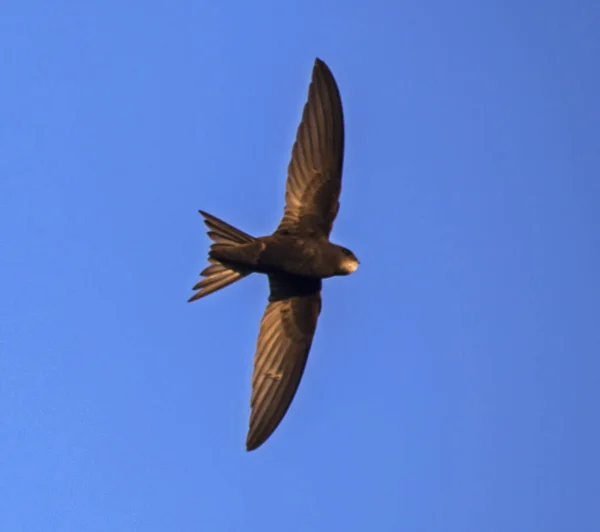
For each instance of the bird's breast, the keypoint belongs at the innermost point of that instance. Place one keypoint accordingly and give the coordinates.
(295, 255)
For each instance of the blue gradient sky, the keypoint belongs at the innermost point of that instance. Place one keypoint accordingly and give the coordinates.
(453, 384)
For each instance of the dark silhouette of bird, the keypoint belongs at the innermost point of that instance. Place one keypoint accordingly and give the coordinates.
(296, 257)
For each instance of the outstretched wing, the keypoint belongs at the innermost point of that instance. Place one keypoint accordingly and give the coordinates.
(315, 171)
(286, 333)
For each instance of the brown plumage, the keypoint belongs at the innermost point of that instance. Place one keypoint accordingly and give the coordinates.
(296, 257)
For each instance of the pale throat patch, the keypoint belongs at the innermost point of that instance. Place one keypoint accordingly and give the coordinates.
(349, 265)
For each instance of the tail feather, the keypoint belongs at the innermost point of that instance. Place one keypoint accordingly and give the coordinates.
(223, 233)
(219, 275)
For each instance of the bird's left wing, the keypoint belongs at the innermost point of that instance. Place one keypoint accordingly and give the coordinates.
(286, 333)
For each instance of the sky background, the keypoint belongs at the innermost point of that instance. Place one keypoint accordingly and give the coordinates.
(454, 380)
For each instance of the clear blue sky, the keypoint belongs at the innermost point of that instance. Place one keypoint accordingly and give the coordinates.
(453, 383)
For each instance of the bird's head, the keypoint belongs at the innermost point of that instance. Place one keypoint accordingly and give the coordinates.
(348, 262)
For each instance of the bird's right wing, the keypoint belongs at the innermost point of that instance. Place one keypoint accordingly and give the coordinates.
(315, 172)
(286, 333)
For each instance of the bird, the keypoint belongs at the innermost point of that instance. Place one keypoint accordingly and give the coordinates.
(296, 257)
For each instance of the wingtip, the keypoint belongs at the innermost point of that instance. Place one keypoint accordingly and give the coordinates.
(252, 445)
(321, 69)
(254, 440)
(320, 63)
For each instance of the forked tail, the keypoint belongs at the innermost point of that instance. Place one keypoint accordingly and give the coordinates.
(217, 275)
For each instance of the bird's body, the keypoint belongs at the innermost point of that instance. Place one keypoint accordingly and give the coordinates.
(303, 256)
(296, 257)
